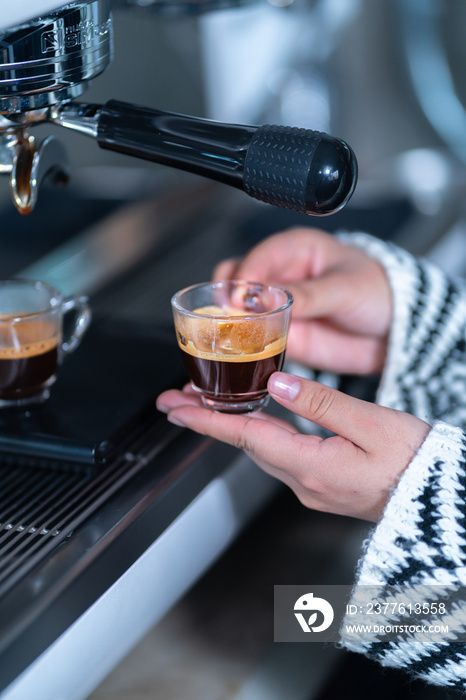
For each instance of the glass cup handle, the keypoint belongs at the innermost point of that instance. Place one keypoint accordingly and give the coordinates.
(80, 306)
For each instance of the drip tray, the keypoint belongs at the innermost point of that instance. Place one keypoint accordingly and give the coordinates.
(61, 461)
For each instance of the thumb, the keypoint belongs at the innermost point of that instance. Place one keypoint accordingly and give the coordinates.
(365, 424)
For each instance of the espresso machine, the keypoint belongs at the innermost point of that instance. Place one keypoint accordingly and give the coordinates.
(50, 54)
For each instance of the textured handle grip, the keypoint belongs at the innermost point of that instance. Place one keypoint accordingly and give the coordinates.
(302, 170)
(299, 169)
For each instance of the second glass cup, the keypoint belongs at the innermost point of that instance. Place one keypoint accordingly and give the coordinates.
(32, 342)
(232, 335)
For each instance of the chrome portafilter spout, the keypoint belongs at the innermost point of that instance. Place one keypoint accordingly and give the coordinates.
(29, 164)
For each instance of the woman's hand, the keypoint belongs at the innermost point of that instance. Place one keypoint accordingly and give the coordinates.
(342, 302)
(350, 473)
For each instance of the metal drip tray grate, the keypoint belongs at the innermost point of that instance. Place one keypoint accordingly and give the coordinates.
(25, 510)
(41, 507)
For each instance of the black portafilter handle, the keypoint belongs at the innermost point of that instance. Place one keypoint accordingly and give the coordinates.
(299, 169)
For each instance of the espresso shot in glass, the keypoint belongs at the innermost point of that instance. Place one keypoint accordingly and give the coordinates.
(232, 336)
(32, 341)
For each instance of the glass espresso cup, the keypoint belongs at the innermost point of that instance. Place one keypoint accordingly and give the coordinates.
(32, 341)
(232, 336)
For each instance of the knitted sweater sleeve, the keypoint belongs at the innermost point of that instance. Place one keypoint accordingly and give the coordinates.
(421, 538)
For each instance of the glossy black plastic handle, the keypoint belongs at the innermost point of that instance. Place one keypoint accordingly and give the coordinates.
(299, 169)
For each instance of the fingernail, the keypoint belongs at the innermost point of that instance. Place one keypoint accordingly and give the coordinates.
(161, 407)
(176, 421)
(285, 386)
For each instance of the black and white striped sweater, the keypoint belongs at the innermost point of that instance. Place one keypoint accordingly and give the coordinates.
(421, 538)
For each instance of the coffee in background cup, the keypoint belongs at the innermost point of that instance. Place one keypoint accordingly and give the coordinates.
(32, 345)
